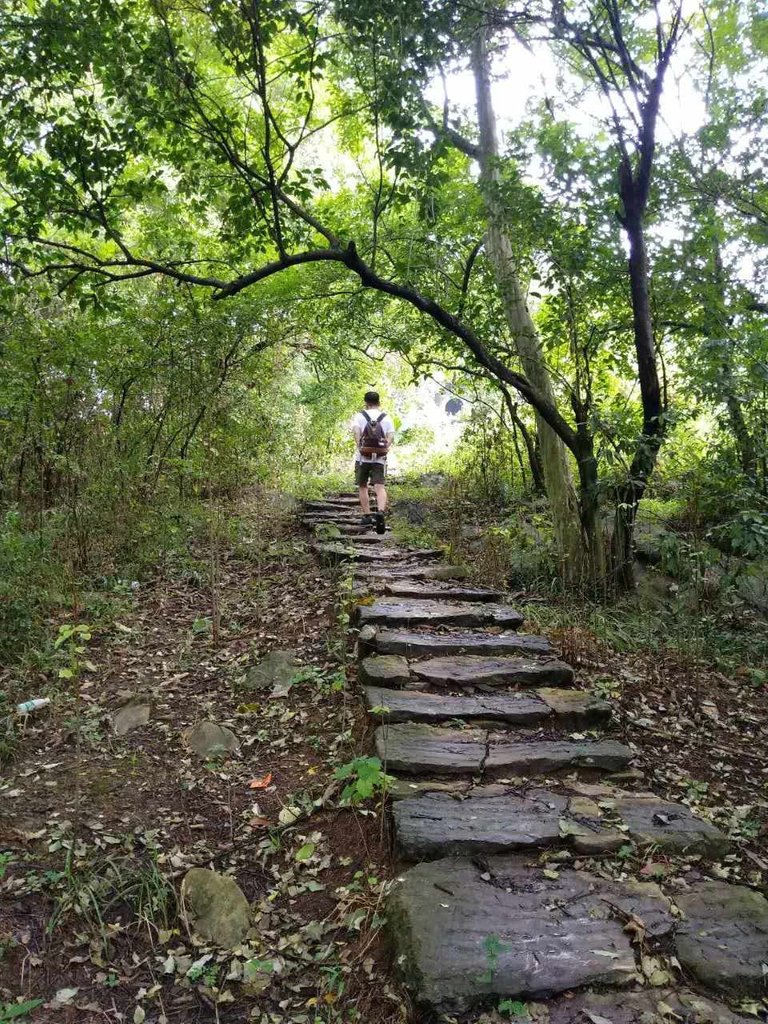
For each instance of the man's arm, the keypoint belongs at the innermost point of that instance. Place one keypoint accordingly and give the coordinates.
(390, 432)
(357, 431)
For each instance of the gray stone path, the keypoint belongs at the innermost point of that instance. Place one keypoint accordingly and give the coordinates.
(496, 757)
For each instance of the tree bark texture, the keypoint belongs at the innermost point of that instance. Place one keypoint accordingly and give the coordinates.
(558, 482)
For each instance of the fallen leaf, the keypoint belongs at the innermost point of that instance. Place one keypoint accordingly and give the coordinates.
(288, 815)
(65, 995)
(261, 783)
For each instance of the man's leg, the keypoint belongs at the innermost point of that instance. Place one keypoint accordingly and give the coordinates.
(362, 471)
(381, 496)
(377, 475)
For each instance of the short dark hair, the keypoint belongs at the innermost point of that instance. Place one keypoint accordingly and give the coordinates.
(371, 397)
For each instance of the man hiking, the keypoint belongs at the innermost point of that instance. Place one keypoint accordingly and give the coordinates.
(374, 433)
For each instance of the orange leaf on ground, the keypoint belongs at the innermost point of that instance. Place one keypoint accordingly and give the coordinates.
(259, 822)
(261, 783)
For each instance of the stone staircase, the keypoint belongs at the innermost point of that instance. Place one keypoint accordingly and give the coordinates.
(498, 757)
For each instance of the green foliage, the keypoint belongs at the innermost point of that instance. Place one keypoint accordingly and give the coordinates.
(513, 1008)
(33, 581)
(18, 1011)
(365, 778)
(93, 887)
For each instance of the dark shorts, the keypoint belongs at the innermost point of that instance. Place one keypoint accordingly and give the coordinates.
(369, 472)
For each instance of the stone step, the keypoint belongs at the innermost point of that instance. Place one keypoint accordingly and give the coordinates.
(438, 824)
(412, 571)
(477, 670)
(425, 645)
(335, 504)
(343, 551)
(415, 749)
(465, 933)
(340, 531)
(463, 670)
(572, 708)
(431, 591)
(341, 520)
(639, 1007)
(438, 591)
(365, 536)
(402, 611)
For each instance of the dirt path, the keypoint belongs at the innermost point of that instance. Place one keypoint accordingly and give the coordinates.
(99, 829)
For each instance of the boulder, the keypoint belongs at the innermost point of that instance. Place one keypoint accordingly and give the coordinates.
(215, 907)
(130, 717)
(210, 740)
(723, 938)
(274, 671)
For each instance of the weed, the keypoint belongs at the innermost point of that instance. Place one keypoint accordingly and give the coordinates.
(513, 1008)
(18, 1012)
(366, 779)
(8, 738)
(95, 886)
(493, 947)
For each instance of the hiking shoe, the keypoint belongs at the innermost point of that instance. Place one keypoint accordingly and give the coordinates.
(381, 526)
(367, 520)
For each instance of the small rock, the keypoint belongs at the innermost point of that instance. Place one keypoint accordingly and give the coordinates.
(207, 739)
(130, 717)
(215, 907)
(274, 671)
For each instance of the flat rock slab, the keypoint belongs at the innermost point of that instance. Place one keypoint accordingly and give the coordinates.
(481, 670)
(416, 706)
(416, 749)
(398, 611)
(440, 591)
(673, 828)
(425, 645)
(436, 824)
(723, 938)
(413, 571)
(634, 1007)
(329, 504)
(347, 552)
(364, 536)
(402, 789)
(572, 707)
(384, 670)
(464, 934)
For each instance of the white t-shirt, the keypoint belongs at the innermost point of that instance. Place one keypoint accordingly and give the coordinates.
(360, 423)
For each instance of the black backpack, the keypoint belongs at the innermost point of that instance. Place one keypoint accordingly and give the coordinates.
(374, 440)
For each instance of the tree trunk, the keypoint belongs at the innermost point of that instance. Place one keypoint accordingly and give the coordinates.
(647, 450)
(554, 460)
(718, 327)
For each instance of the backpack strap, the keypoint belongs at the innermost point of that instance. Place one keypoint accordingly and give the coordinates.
(378, 421)
(368, 418)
